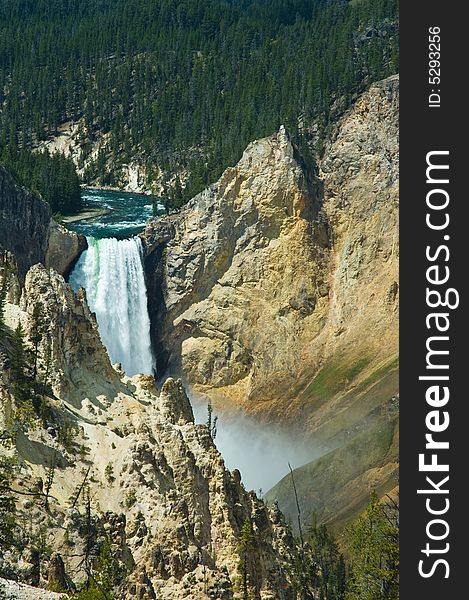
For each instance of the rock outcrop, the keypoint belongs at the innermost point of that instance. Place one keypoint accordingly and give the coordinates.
(12, 590)
(276, 290)
(274, 278)
(28, 231)
(151, 480)
(242, 276)
(64, 248)
(80, 366)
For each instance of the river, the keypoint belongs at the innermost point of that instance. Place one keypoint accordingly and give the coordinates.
(126, 216)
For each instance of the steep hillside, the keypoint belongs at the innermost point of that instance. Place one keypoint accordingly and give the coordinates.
(336, 487)
(28, 231)
(148, 95)
(276, 290)
(24, 223)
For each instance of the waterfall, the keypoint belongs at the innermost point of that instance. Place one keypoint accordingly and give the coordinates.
(111, 271)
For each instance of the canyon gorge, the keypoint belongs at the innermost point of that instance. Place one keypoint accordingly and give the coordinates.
(272, 296)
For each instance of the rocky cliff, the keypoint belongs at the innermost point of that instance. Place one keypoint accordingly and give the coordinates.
(276, 289)
(233, 307)
(129, 467)
(28, 231)
(24, 223)
(79, 363)
(63, 248)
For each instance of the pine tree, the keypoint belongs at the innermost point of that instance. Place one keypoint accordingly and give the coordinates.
(374, 553)
(19, 367)
(3, 291)
(7, 504)
(211, 421)
(184, 87)
(49, 482)
(245, 548)
(47, 359)
(37, 333)
(40, 545)
(330, 577)
(53, 177)
(105, 574)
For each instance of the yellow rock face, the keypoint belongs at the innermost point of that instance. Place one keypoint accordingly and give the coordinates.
(279, 286)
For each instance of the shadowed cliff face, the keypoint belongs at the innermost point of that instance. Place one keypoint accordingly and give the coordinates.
(30, 234)
(24, 223)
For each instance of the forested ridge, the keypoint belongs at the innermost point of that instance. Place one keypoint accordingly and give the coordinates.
(184, 87)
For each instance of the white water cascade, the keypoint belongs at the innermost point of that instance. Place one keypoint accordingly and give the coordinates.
(111, 272)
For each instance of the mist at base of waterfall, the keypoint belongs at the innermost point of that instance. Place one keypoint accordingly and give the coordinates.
(261, 454)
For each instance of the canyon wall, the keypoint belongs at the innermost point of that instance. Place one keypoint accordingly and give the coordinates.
(24, 223)
(275, 291)
(275, 279)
